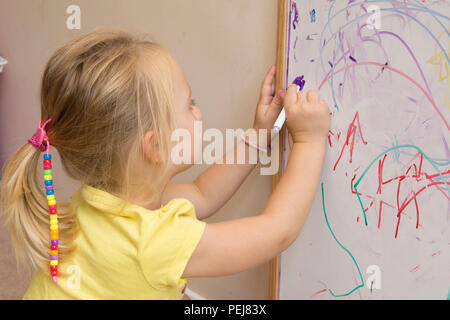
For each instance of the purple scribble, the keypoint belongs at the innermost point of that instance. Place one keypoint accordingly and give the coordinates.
(331, 65)
(295, 45)
(312, 60)
(353, 59)
(300, 82)
(296, 18)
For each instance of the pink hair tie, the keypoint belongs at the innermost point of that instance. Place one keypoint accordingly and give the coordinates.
(39, 137)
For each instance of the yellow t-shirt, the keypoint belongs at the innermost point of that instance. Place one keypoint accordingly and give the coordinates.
(132, 254)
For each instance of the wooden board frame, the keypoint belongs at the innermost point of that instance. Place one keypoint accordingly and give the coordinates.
(280, 82)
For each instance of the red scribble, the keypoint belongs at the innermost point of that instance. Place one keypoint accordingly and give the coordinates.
(413, 171)
(329, 138)
(351, 133)
(415, 268)
(436, 253)
(318, 292)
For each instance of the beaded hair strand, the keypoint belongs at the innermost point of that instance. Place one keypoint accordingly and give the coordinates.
(38, 142)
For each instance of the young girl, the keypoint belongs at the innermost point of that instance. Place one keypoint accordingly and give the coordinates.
(109, 102)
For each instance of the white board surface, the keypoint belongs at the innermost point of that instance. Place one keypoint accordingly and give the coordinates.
(379, 227)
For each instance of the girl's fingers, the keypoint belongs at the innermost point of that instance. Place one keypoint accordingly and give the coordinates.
(312, 96)
(291, 96)
(266, 87)
(302, 97)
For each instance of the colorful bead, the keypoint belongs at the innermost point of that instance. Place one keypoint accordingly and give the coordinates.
(50, 194)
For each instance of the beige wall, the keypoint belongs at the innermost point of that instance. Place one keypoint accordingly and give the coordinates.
(225, 48)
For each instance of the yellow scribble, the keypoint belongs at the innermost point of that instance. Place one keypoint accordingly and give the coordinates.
(444, 75)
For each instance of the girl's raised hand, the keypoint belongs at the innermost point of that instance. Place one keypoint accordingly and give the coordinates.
(269, 105)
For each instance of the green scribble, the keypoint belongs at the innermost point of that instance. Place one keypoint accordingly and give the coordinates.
(346, 250)
(383, 153)
(448, 296)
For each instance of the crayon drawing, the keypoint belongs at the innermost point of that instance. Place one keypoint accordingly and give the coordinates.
(379, 227)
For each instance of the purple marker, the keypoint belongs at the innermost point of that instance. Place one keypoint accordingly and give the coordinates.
(300, 82)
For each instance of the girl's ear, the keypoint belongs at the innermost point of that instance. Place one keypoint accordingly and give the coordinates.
(151, 147)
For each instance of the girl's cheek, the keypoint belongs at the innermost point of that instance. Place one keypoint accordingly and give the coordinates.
(197, 113)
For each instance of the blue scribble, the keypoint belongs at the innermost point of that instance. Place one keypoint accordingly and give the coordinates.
(312, 15)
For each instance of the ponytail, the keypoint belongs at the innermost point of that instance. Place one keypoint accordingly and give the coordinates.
(31, 217)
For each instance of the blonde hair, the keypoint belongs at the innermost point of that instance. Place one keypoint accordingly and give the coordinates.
(103, 91)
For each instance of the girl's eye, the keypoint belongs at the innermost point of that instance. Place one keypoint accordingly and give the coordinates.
(193, 102)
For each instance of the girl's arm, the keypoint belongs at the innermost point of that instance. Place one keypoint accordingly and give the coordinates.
(233, 246)
(214, 187)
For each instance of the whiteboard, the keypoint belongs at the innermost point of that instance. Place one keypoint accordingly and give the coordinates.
(379, 227)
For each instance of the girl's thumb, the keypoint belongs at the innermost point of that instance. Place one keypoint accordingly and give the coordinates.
(279, 97)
